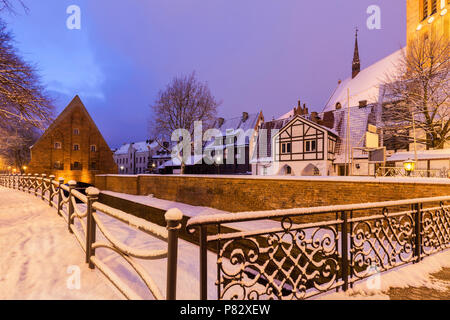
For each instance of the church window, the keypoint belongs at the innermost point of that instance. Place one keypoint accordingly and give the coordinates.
(433, 6)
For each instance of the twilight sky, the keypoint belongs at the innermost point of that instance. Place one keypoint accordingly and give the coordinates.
(254, 54)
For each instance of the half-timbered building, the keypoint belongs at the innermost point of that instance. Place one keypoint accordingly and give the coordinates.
(303, 147)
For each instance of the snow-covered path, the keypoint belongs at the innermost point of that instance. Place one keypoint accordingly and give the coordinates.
(39, 257)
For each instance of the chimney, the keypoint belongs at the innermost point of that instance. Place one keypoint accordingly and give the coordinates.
(244, 116)
(315, 117)
(220, 122)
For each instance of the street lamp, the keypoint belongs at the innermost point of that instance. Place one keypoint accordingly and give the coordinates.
(409, 166)
(24, 168)
(218, 159)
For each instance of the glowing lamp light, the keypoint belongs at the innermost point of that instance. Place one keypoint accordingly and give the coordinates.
(14, 170)
(153, 165)
(444, 12)
(24, 168)
(121, 168)
(419, 27)
(409, 165)
(431, 20)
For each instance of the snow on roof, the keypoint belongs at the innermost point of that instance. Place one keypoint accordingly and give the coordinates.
(141, 146)
(366, 85)
(421, 155)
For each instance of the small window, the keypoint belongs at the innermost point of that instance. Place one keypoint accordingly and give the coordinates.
(76, 131)
(310, 146)
(93, 166)
(76, 147)
(93, 148)
(286, 147)
(58, 145)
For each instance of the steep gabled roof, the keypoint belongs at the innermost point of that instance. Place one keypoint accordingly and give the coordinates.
(75, 104)
(366, 85)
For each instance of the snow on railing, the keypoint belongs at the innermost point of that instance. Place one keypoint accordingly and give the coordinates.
(316, 250)
(67, 205)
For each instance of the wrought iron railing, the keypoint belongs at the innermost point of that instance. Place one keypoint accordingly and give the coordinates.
(64, 198)
(401, 172)
(310, 251)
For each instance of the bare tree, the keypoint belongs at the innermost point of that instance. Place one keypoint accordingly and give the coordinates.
(10, 5)
(15, 142)
(184, 101)
(22, 97)
(419, 90)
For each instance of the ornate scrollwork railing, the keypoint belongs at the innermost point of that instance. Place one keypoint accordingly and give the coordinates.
(401, 172)
(80, 213)
(311, 251)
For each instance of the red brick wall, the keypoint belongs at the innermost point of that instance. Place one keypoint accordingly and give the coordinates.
(250, 194)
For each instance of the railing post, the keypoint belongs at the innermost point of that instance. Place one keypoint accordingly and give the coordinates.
(50, 188)
(203, 264)
(60, 191)
(344, 264)
(418, 231)
(35, 184)
(173, 219)
(29, 182)
(92, 196)
(42, 186)
(72, 185)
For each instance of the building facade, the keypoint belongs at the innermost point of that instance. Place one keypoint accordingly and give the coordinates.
(72, 147)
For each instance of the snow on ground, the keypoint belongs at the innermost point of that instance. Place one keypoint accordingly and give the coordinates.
(412, 275)
(38, 255)
(36, 252)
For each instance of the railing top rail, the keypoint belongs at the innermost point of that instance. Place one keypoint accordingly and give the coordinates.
(259, 215)
(138, 223)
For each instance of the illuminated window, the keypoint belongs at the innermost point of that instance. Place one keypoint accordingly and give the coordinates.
(58, 145)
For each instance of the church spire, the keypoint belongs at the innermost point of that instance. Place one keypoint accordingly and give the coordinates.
(356, 65)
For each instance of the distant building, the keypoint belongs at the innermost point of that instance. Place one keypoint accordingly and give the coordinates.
(72, 147)
(141, 157)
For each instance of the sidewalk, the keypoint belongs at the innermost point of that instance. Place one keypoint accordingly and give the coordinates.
(39, 258)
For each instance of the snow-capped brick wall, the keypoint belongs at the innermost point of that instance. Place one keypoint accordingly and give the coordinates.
(234, 194)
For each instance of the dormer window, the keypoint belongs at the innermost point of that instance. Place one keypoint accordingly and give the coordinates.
(76, 132)
(58, 145)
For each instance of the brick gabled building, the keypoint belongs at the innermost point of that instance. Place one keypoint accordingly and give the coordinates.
(72, 147)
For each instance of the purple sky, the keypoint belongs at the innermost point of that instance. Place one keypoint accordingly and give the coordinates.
(254, 54)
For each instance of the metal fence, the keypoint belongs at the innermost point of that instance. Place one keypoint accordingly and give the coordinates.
(401, 172)
(311, 251)
(64, 198)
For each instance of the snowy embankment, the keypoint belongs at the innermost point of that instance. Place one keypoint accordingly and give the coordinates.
(38, 257)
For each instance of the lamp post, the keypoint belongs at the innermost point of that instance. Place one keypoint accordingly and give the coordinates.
(218, 158)
(409, 166)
